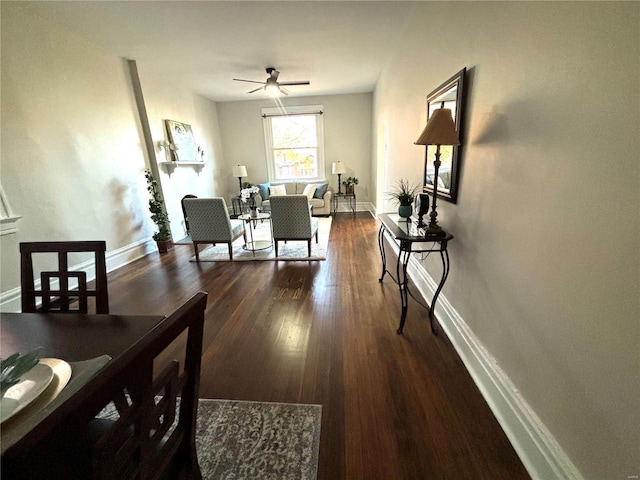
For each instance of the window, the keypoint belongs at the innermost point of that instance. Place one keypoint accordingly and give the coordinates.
(294, 142)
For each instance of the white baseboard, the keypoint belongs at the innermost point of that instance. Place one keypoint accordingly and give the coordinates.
(360, 207)
(129, 253)
(10, 300)
(540, 453)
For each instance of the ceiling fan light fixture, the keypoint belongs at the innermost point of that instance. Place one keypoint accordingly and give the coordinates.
(272, 89)
(271, 85)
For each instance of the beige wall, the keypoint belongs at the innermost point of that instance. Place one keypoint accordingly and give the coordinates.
(347, 137)
(174, 102)
(72, 158)
(545, 263)
(73, 154)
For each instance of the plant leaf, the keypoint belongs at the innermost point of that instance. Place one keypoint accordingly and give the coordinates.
(15, 366)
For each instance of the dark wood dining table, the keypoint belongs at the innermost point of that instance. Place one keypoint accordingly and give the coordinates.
(84, 341)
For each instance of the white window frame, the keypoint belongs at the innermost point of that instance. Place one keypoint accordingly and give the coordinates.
(269, 113)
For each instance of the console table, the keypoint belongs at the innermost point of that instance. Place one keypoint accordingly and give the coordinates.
(411, 239)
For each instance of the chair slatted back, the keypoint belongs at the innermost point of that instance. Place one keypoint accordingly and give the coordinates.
(163, 442)
(149, 436)
(72, 293)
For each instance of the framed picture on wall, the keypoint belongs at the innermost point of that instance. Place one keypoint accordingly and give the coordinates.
(181, 135)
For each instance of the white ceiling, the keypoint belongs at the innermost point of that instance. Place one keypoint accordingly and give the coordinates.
(339, 46)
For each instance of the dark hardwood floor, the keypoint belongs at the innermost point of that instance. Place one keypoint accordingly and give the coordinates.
(393, 406)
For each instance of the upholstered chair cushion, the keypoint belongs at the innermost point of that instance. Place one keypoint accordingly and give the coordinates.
(277, 190)
(263, 190)
(310, 190)
(321, 189)
(209, 222)
(291, 217)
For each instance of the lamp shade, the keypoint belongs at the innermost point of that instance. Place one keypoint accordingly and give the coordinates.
(240, 171)
(338, 167)
(440, 130)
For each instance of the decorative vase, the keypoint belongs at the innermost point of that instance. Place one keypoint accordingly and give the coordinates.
(253, 212)
(405, 211)
(349, 189)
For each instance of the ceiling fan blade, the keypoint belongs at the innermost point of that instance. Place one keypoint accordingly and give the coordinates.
(283, 90)
(306, 82)
(250, 81)
(259, 88)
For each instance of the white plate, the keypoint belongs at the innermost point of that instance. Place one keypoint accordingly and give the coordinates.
(31, 384)
(61, 376)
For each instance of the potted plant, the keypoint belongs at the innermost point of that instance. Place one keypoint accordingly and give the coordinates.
(246, 194)
(404, 194)
(159, 214)
(349, 184)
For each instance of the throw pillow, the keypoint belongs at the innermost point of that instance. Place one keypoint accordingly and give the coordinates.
(309, 190)
(321, 189)
(263, 190)
(278, 190)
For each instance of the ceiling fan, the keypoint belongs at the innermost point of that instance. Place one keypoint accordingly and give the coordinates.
(272, 85)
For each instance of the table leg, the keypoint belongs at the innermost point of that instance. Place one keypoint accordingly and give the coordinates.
(383, 255)
(403, 259)
(253, 245)
(444, 254)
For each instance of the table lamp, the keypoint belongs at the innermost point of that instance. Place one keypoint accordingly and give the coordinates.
(440, 130)
(240, 171)
(338, 168)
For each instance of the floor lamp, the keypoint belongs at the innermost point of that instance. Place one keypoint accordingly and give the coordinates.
(440, 130)
(338, 168)
(240, 171)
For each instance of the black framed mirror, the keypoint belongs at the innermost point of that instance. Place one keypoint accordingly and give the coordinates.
(448, 95)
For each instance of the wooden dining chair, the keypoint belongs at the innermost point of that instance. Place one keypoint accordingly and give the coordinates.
(153, 436)
(184, 212)
(63, 290)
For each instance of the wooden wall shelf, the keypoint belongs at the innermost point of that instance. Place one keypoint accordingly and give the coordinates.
(180, 164)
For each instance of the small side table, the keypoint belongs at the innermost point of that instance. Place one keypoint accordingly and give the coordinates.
(254, 245)
(351, 197)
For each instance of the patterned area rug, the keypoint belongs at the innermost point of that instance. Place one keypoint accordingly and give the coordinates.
(249, 440)
(254, 440)
(292, 250)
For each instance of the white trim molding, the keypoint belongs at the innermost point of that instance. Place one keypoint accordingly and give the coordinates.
(8, 221)
(539, 451)
(269, 113)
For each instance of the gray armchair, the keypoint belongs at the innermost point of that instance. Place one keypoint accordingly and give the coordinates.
(291, 219)
(209, 222)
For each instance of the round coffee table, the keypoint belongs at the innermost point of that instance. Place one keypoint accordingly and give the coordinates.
(254, 245)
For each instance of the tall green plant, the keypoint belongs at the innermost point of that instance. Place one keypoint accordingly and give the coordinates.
(404, 192)
(159, 215)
